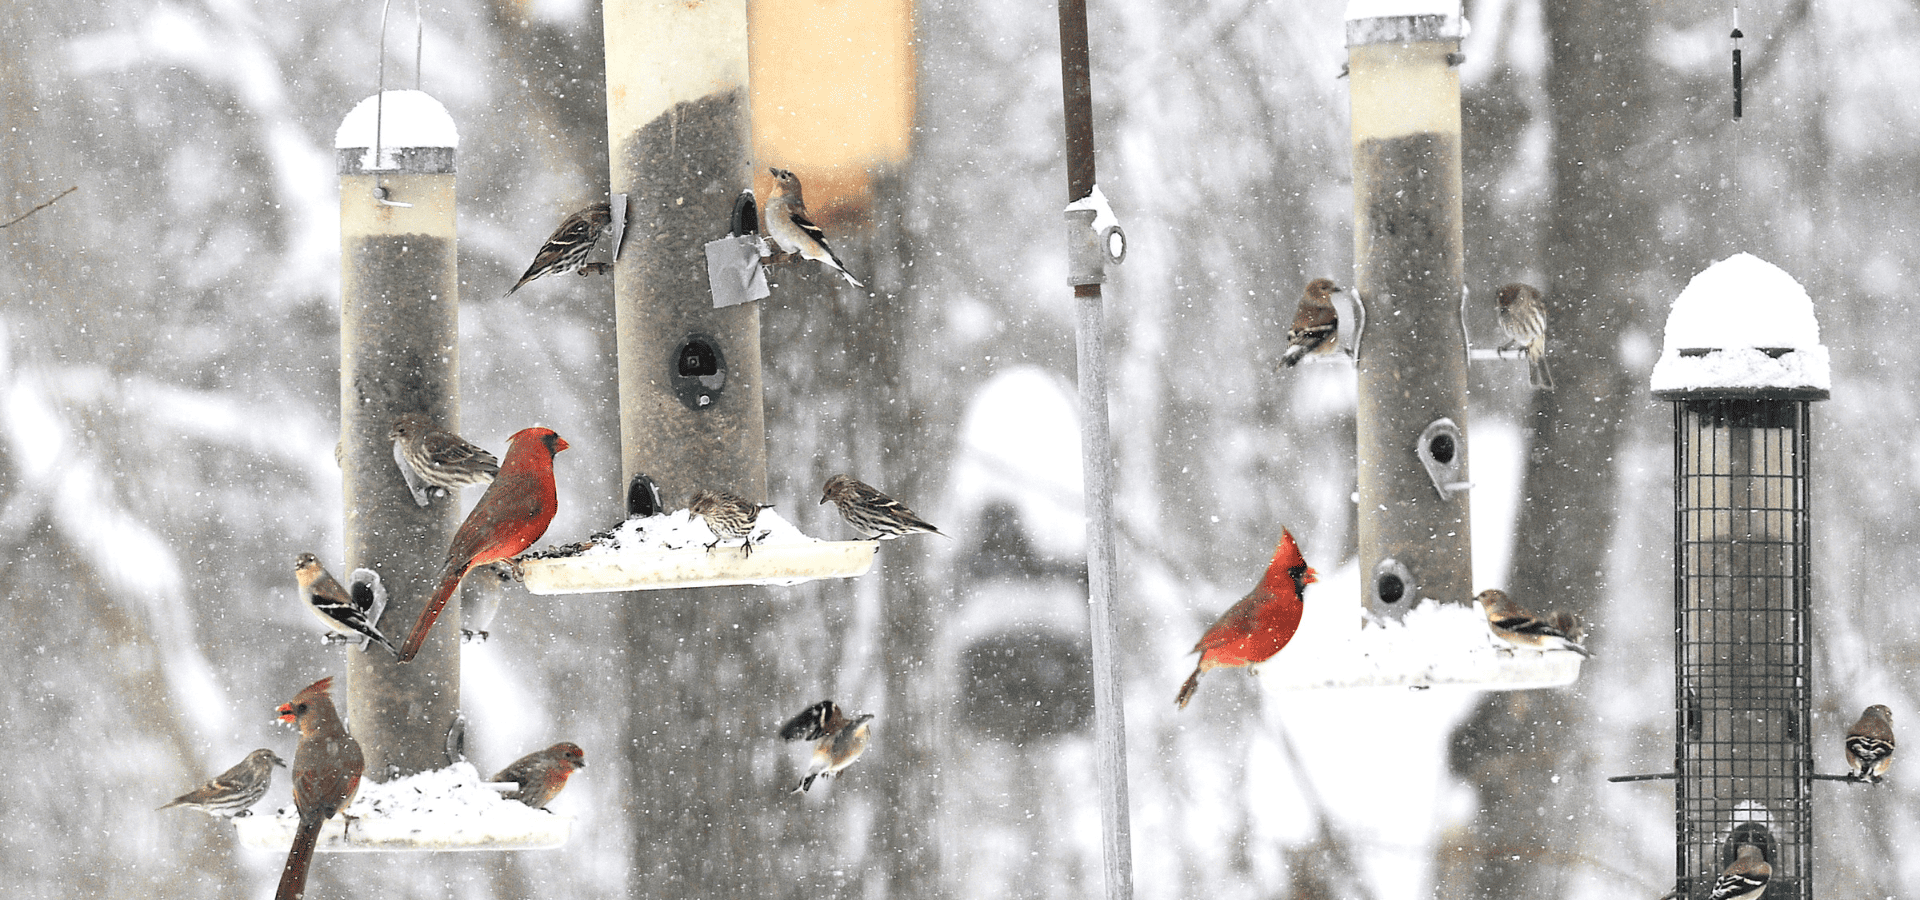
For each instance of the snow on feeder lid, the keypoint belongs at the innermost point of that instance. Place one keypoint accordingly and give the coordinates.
(1380, 21)
(1742, 329)
(412, 130)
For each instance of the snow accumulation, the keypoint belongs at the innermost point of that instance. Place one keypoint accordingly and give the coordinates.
(1103, 217)
(668, 551)
(1381, 9)
(1743, 325)
(445, 809)
(406, 119)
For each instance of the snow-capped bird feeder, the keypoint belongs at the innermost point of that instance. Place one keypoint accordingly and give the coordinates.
(1741, 364)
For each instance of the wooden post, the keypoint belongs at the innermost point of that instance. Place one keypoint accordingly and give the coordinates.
(399, 353)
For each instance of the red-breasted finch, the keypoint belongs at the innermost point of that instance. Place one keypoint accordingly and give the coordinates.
(567, 248)
(513, 513)
(541, 775)
(838, 739)
(872, 513)
(1869, 744)
(1746, 879)
(1516, 625)
(326, 774)
(1523, 319)
(728, 516)
(1316, 323)
(332, 604)
(789, 226)
(1262, 623)
(432, 457)
(232, 794)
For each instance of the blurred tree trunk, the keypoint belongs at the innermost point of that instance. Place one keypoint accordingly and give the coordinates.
(1522, 750)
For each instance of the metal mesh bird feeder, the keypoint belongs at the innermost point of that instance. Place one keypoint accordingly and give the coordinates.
(1741, 363)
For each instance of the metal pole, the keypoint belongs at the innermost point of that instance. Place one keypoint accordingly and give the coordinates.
(1096, 461)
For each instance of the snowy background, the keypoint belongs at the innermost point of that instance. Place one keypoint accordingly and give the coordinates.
(169, 410)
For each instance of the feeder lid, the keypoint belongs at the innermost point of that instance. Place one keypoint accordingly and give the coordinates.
(445, 809)
(1742, 329)
(406, 118)
(1378, 21)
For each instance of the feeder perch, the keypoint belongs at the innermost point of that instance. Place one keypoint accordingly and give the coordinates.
(670, 551)
(1094, 239)
(445, 809)
(1442, 450)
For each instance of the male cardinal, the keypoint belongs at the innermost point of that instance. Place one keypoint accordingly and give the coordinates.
(1261, 623)
(1316, 324)
(326, 773)
(872, 513)
(1869, 744)
(232, 794)
(1523, 319)
(541, 775)
(432, 457)
(513, 513)
(838, 740)
(567, 248)
(789, 226)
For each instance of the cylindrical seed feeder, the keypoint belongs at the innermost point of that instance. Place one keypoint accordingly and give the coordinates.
(1741, 363)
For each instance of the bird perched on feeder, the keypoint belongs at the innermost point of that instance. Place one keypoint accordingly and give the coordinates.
(326, 774)
(232, 794)
(513, 513)
(541, 775)
(1869, 744)
(1261, 624)
(333, 605)
(873, 514)
(728, 516)
(1746, 878)
(567, 248)
(789, 226)
(1316, 323)
(1568, 624)
(1514, 624)
(1523, 319)
(432, 457)
(838, 740)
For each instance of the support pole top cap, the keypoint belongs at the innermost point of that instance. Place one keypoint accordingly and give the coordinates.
(1742, 329)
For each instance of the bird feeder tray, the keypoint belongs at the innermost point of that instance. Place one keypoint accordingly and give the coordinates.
(1433, 645)
(446, 809)
(670, 551)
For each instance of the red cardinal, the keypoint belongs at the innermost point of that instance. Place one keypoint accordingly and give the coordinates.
(1261, 623)
(326, 773)
(513, 513)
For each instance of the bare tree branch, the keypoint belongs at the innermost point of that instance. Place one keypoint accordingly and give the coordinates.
(56, 199)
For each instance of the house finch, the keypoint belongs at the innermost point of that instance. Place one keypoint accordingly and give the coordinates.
(1513, 624)
(432, 457)
(788, 225)
(872, 513)
(541, 775)
(1869, 744)
(728, 516)
(838, 740)
(1746, 879)
(513, 513)
(326, 773)
(232, 794)
(567, 248)
(1262, 623)
(334, 605)
(1523, 318)
(1316, 324)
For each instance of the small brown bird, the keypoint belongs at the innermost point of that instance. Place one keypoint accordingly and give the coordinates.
(872, 513)
(1523, 319)
(326, 774)
(838, 740)
(431, 457)
(1515, 625)
(1869, 744)
(541, 775)
(1746, 879)
(728, 516)
(232, 794)
(1568, 624)
(1316, 323)
(567, 248)
(333, 605)
(789, 226)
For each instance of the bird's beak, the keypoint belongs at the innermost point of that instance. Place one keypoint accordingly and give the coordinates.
(1310, 579)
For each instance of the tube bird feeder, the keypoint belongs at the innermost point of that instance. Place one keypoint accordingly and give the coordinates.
(1741, 364)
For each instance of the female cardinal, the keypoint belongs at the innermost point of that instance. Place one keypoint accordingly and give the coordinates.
(326, 773)
(1261, 623)
(513, 513)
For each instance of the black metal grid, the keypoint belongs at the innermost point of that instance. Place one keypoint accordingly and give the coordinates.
(1741, 637)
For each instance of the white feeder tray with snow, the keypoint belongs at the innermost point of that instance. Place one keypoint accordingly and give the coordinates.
(670, 551)
(446, 809)
(1434, 644)
(1742, 328)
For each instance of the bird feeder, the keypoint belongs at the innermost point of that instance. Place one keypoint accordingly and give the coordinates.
(1741, 364)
